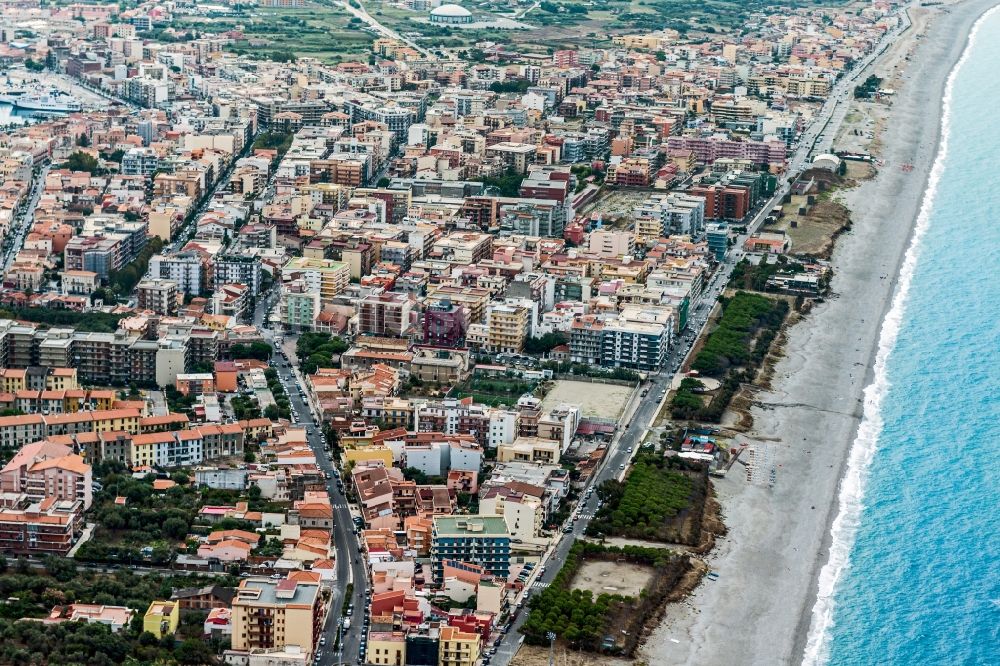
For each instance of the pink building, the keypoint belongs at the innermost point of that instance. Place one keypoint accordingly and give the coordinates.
(48, 470)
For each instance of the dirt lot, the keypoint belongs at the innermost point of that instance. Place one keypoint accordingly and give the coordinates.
(530, 655)
(615, 206)
(815, 232)
(602, 577)
(604, 401)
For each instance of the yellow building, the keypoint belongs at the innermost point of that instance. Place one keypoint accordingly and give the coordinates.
(62, 379)
(162, 618)
(372, 453)
(327, 277)
(458, 648)
(276, 614)
(638, 42)
(507, 328)
(12, 380)
(386, 647)
(529, 449)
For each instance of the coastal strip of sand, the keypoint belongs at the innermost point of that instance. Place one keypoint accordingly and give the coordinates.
(759, 609)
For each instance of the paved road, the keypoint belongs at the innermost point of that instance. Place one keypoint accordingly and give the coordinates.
(22, 223)
(362, 13)
(350, 567)
(187, 230)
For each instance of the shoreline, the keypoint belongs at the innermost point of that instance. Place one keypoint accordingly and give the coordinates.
(761, 608)
(965, 24)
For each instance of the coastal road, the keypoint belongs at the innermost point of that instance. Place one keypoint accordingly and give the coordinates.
(23, 220)
(817, 139)
(350, 567)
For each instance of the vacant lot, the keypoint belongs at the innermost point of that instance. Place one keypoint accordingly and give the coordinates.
(601, 401)
(602, 577)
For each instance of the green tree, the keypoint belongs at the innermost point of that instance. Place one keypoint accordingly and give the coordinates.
(80, 161)
(175, 528)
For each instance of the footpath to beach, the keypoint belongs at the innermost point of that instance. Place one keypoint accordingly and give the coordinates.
(759, 610)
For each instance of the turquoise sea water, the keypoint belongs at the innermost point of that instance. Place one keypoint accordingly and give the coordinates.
(921, 583)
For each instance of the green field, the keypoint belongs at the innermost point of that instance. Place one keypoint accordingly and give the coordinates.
(320, 30)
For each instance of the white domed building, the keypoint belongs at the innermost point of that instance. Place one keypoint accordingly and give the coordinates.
(451, 15)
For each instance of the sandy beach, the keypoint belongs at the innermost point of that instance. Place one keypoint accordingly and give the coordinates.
(759, 610)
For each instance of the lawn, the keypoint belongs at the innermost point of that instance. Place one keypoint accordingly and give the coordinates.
(494, 391)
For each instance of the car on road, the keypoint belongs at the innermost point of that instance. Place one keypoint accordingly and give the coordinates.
(622, 466)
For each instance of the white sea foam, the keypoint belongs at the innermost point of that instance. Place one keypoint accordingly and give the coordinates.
(852, 487)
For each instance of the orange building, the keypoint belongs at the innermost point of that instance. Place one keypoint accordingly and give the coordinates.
(225, 377)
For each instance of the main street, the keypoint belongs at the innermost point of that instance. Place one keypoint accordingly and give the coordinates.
(23, 220)
(350, 566)
(187, 231)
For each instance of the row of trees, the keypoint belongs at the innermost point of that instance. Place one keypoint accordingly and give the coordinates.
(509, 184)
(282, 408)
(99, 322)
(545, 343)
(257, 350)
(124, 280)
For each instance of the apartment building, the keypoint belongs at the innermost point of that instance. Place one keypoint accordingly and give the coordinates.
(458, 648)
(508, 326)
(674, 213)
(524, 514)
(270, 614)
(619, 342)
(158, 295)
(473, 539)
(185, 269)
(299, 306)
(386, 647)
(326, 277)
(463, 248)
(611, 243)
(45, 469)
(530, 449)
(385, 315)
(238, 269)
(46, 527)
